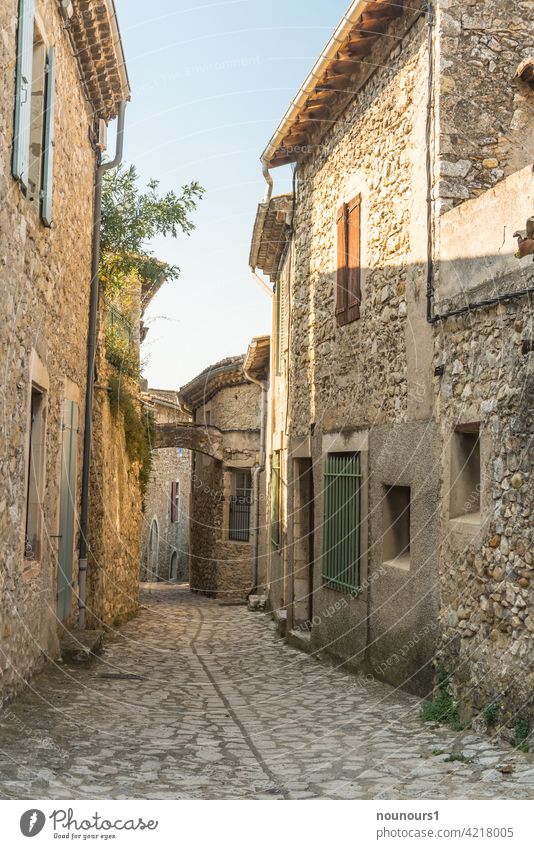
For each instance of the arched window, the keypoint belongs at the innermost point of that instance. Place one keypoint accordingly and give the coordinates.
(153, 551)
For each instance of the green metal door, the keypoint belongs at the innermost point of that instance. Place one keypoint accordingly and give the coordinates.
(67, 509)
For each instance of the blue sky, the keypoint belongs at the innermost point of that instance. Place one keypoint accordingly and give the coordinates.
(210, 83)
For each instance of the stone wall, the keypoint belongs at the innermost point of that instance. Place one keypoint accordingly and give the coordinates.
(485, 376)
(483, 112)
(366, 387)
(232, 408)
(486, 567)
(115, 510)
(220, 566)
(168, 465)
(44, 289)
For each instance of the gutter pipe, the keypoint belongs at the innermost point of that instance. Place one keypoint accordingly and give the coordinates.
(102, 167)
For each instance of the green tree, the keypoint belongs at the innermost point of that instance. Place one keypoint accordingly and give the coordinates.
(131, 218)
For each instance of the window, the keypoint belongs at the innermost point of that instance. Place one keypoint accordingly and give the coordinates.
(175, 500)
(348, 296)
(341, 529)
(240, 501)
(33, 136)
(396, 526)
(465, 473)
(34, 484)
(275, 500)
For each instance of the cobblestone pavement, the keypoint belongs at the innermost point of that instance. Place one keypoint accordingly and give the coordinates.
(224, 709)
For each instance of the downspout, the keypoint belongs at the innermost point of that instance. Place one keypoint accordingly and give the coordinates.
(91, 356)
(258, 469)
(268, 180)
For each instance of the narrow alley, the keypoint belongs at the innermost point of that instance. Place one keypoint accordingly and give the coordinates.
(198, 699)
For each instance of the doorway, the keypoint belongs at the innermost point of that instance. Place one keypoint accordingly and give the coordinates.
(302, 576)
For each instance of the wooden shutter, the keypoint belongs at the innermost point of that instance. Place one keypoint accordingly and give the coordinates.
(23, 86)
(173, 501)
(353, 260)
(341, 285)
(48, 139)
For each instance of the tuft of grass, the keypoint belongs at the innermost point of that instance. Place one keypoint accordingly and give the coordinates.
(491, 713)
(461, 758)
(522, 731)
(442, 708)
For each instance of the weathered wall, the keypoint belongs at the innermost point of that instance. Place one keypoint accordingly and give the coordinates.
(232, 408)
(168, 465)
(486, 559)
(220, 566)
(482, 111)
(44, 287)
(375, 373)
(115, 517)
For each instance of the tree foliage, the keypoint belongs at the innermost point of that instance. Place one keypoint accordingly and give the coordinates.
(132, 217)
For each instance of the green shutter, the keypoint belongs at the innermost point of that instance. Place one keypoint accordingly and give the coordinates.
(341, 528)
(275, 500)
(48, 139)
(23, 86)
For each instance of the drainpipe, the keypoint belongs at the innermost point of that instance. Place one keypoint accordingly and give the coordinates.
(258, 469)
(268, 180)
(91, 356)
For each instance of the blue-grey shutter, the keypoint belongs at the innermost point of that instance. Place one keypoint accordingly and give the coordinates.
(23, 86)
(48, 139)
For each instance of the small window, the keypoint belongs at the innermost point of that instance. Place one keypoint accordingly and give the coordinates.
(396, 526)
(34, 485)
(341, 531)
(465, 473)
(175, 500)
(348, 287)
(275, 500)
(240, 501)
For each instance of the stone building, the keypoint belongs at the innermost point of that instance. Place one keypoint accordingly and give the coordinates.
(55, 94)
(165, 539)
(224, 436)
(402, 511)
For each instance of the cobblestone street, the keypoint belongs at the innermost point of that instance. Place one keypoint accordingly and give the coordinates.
(204, 718)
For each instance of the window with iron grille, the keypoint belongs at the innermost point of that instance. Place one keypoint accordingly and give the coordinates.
(341, 531)
(275, 500)
(240, 501)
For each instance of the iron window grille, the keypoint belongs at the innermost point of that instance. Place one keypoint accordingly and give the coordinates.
(240, 501)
